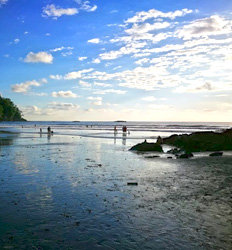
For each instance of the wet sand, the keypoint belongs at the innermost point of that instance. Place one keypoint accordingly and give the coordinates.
(71, 192)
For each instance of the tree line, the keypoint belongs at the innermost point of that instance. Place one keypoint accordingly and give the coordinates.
(9, 111)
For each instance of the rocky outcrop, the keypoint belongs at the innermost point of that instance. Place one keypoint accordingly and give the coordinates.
(186, 144)
(145, 146)
(201, 141)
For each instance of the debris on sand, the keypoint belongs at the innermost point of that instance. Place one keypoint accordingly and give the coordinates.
(132, 183)
(216, 154)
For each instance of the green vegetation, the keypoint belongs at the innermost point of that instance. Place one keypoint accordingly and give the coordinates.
(9, 111)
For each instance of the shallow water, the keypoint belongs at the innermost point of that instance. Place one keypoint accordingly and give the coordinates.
(71, 192)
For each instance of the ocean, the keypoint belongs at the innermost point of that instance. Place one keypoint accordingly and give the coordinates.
(136, 130)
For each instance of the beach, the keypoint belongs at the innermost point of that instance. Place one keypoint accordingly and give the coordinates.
(73, 192)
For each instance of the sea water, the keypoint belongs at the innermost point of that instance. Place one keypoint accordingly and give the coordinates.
(135, 130)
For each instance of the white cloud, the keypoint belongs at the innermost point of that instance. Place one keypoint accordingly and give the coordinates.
(71, 75)
(43, 80)
(146, 27)
(86, 6)
(214, 25)
(56, 77)
(65, 94)
(40, 57)
(16, 41)
(147, 78)
(129, 49)
(118, 67)
(52, 111)
(53, 11)
(62, 106)
(61, 48)
(153, 13)
(141, 55)
(196, 88)
(69, 53)
(94, 40)
(28, 110)
(95, 98)
(82, 58)
(76, 74)
(3, 2)
(24, 87)
(84, 84)
(96, 61)
(142, 61)
(97, 103)
(103, 92)
(105, 85)
(38, 94)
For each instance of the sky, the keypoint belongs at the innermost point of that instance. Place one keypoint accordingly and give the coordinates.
(141, 60)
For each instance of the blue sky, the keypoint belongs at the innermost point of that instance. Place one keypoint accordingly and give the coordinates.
(109, 60)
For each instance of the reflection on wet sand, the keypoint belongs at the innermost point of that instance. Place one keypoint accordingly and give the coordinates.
(124, 138)
(72, 193)
(7, 138)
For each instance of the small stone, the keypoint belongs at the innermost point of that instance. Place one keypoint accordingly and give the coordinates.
(132, 183)
(216, 154)
(185, 156)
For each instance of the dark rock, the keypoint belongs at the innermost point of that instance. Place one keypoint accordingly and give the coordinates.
(201, 141)
(145, 146)
(185, 156)
(216, 154)
(175, 151)
(132, 183)
(152, 156)
(159, 140)
(77, 223)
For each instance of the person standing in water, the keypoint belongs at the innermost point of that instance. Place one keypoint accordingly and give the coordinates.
(124, 130)
(115, 130)
(49, 130)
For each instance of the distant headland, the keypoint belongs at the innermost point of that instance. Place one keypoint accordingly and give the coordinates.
(9, 111)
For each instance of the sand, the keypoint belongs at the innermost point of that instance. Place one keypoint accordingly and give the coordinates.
(71, 192)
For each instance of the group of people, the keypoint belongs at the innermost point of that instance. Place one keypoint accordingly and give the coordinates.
(124, 130)
(49, 131)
